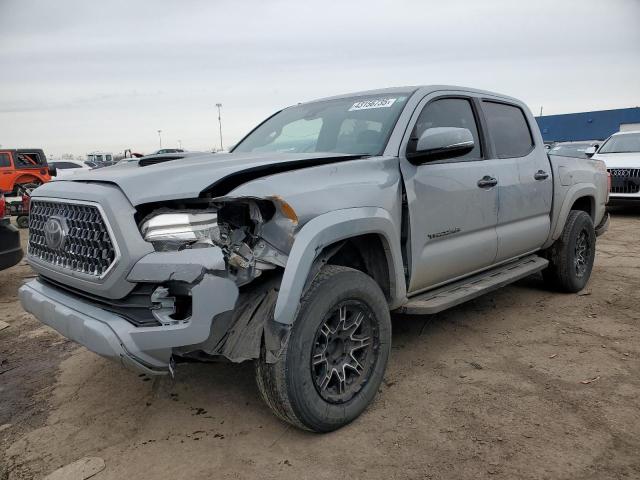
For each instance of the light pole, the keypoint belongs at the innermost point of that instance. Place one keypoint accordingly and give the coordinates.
(160, 137)
(180, 144)
(219, 105)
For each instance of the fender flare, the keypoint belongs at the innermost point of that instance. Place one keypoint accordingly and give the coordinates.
(329, 228)
(574, 193)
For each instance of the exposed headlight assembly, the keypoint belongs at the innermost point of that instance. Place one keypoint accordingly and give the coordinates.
(180, 228)
(254, 234)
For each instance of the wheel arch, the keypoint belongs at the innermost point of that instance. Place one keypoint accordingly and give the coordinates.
(369, 253)
(333, 232)
(25, 178)
(586, 203)
(578, 197)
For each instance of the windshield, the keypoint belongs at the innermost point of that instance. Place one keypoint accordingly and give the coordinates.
(627, 143)
(576, 150)
(356, 125)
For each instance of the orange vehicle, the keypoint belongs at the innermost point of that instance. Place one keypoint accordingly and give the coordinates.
(22, 170)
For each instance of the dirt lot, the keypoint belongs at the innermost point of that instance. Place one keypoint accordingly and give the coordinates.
(491, 389)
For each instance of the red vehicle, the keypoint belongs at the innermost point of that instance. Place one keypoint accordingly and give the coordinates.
(22, 170)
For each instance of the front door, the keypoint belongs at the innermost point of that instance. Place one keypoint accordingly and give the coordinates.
(453, 204)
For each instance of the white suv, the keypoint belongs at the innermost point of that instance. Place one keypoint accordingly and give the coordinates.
(621, 154)
(66, 168)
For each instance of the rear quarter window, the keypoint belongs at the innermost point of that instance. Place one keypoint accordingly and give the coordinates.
(28, 160)
(5, 161)
(508, 128)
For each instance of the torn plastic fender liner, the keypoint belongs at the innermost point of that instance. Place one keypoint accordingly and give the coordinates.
(237, 335)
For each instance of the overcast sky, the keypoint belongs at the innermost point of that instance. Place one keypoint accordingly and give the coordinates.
(78, 76)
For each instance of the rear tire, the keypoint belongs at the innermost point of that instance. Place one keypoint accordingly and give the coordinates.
(571, 256)
(336, 355)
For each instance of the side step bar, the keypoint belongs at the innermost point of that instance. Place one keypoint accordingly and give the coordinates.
(448, 296)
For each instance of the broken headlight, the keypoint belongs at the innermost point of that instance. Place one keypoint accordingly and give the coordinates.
(176, 229)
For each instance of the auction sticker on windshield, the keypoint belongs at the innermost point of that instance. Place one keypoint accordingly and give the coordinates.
(377, 103)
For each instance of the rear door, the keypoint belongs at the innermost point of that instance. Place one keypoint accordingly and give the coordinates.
(452, 219)
(525, 184)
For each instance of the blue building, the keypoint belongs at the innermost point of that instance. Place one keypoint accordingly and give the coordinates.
(588, 125)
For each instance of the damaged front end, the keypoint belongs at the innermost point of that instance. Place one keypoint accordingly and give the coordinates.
(207, 287)
(251, 237)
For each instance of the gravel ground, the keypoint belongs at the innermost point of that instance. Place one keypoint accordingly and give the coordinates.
(522, 383)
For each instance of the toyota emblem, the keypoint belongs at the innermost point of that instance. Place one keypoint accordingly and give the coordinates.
(55, 232)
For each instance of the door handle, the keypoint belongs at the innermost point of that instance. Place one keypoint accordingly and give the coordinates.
(487, 182)
(541, 175)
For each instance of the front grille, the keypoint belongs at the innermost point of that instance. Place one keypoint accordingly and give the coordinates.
(85, 244)
(625, 180)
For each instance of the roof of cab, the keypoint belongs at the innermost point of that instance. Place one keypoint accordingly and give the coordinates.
(424, 89)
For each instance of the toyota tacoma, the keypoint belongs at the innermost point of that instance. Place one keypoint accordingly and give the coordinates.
(293, 249)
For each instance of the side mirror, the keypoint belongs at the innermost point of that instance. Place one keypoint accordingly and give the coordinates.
(53, 171)
(439, 143)
(590, 151)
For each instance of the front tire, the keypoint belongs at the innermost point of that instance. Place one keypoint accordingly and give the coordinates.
(571, 256)
(336, 354)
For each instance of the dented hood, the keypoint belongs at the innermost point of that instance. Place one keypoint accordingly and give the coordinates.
(189, 177)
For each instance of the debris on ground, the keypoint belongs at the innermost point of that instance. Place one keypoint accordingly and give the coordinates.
(79, 470)
(591, 380)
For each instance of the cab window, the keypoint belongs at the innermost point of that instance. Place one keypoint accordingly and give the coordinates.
(509, 129)
(450, 112)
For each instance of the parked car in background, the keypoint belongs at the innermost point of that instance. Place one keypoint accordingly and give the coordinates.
(10, 249)
(167, 150)
(22, 170)
(292, 249)
(65, 168)
(573, 149)
(101, 159)
(621, 153)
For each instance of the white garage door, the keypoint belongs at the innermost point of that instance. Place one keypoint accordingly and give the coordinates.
(628, 127)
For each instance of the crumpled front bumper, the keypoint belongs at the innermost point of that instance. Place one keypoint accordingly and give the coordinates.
(146, 349)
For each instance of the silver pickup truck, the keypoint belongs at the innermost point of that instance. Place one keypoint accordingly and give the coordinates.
(293, 249)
